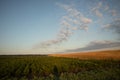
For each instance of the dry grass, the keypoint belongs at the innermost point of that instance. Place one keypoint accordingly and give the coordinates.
(109, 54)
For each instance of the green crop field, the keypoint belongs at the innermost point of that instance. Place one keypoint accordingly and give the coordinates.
(35, 67)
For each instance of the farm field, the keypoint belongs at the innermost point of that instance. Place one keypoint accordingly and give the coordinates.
(36, 67)
(107, 54)
(59, 39)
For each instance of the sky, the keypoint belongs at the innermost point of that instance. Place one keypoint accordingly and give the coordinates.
(54, 26)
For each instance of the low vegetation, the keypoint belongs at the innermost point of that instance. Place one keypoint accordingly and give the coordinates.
(57, 68)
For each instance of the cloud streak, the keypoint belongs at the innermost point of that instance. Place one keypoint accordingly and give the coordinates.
(97, 45)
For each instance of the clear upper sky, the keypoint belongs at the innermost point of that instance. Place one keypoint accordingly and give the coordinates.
(47, 26)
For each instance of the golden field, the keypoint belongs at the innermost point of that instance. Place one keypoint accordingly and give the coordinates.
(108, 54)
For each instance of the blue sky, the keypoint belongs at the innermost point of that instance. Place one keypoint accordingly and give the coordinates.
(51, 26)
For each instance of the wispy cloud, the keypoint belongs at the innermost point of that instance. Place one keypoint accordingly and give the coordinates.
(113, 12)
(96, 10)
(106, 8)
(98, 45)
(113, 26)
(73, 21)
(99, 10)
